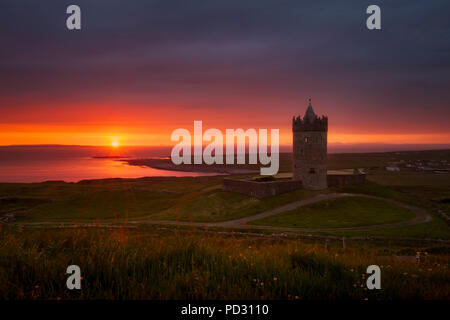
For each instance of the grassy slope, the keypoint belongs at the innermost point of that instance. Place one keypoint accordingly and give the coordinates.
(197, 199)
(200, 198)
(436, 229)
(221, 205)
(336, 213)
(425, 190)
(100, 199)
(122, 265)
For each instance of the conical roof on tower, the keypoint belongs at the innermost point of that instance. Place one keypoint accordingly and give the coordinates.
(309, 114)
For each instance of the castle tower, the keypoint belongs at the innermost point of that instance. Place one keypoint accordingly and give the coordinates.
(310, 150)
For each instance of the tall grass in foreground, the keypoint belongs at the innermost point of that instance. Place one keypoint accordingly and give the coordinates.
(116, 264)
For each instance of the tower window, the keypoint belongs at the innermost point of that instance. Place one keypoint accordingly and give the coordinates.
(312, 170)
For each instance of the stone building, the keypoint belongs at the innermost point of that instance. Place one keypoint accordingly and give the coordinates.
(309, 163)
(309, 156)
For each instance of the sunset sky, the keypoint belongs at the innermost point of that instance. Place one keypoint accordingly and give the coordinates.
(140, 69)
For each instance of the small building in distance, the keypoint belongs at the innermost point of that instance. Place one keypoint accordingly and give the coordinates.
(393, 168)
(309, 163)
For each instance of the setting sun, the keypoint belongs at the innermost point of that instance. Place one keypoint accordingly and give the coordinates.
(115, 144)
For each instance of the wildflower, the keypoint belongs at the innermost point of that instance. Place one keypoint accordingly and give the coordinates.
(275, 278)
(297, 297)
(366, 299)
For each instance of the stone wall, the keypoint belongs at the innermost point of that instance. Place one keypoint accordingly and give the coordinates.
(260, 189)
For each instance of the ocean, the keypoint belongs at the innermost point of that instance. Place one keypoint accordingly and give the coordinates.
(75, 163)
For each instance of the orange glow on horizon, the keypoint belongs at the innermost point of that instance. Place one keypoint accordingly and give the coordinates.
(122, 123)
(160, 136)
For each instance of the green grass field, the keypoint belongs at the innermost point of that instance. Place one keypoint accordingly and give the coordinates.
(201, 199)
(170, 199)
(219, 205)
(436, 229)
(186, 262)
(151, 198)
(124, 264)
(337, 213)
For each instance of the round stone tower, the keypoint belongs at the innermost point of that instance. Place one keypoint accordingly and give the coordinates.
(310, 150)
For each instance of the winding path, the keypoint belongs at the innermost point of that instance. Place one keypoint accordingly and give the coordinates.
(421, 217)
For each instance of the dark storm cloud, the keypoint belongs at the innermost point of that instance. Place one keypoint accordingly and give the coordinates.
(155, 50)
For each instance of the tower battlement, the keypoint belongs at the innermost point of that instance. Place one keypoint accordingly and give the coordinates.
(317, 124)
